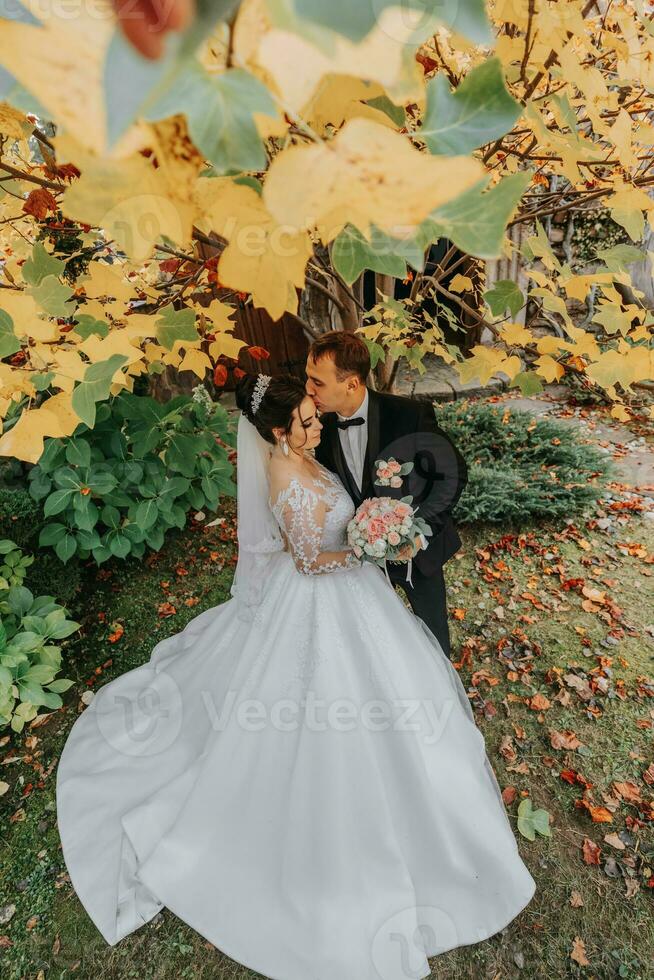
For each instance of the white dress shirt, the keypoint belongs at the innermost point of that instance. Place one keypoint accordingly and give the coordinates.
(354, 440)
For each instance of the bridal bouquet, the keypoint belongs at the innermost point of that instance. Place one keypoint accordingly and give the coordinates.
(382, 528)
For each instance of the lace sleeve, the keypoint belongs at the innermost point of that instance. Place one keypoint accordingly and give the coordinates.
(301, 511)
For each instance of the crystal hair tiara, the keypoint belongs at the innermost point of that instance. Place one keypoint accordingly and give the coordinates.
(262, 382)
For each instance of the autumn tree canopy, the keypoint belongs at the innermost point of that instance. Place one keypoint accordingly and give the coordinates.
(310, 141)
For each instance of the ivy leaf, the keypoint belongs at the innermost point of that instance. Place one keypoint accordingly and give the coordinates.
(41, 264)
(532, 821)
(529, 383)
(87, 325)
(9, 342)
(476, 220)
(351, 253)
(504, 295)
(53, 296)
(480, 110)
(94, 387)
(175, 325)
(355, 20)
(220, 113)
(133, 83)
(396, 113)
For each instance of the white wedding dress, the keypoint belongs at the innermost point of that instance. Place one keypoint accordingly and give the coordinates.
(309, 790)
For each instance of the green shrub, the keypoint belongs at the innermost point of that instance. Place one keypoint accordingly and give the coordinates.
(47, 574)
(20, 515)
(522, 468)
(118, 488)
(29, 660)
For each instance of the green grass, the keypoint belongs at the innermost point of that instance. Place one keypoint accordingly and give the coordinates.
(618, 932)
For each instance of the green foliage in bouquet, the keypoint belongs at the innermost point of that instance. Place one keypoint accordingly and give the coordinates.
(521, 467)
(116, 489)
(29, 660)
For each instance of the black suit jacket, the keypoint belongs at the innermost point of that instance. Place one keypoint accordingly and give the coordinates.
(406, 429)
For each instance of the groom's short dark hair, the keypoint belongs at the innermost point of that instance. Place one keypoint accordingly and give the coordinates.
(349, 352)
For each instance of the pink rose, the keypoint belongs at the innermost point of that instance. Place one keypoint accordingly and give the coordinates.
(376, 529)
(396, 481)
(394, 466)
(385, 472)
(393, 538)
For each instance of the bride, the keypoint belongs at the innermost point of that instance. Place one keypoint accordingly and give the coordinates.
(297, 774)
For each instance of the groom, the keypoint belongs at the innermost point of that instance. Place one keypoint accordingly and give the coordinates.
(360, 426)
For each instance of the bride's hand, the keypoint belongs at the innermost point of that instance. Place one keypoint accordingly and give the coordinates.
(410, 551)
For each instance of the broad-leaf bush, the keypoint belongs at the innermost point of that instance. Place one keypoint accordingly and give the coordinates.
(29, 659)
(116, 489)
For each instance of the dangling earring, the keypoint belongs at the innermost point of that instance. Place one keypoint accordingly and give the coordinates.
(284, 445)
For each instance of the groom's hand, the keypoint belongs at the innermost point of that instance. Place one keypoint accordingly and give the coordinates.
(145, 22)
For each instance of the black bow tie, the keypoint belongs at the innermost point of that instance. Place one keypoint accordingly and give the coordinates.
(345, 423)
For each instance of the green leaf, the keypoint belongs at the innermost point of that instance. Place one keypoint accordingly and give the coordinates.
(531, 821)
(41, 673)
(78, 452)
(20, 600)
(175, 325)
(32, 692)
(66, 547)
(505, 294)
(9, 342)
(147, 513)
(110, 516)
(94, 387)
(476, 220)
(40, 265)
(61, 685)
(529, 383)
(351, 253)
(51, 533)
(619, 257)
(57, 502)
(355, 19)
(53, 297)
(42, 381)
(119, 544)
(87, 326)
(133, 83)
(219, 110)
(395, 113)
(481, 109)
(85, 512)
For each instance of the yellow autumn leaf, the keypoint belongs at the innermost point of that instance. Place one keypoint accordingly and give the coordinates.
(196, 361)
(226, 345)
(220, 314)
(366, 175)
(116, 342)
(264, 257)
(27, 316)
(295, 67)
(516, 334)
(14, 123)
(460, 283)
(486, 362)
(548, 368)
(54, 418)
(61, 60)
(130, 199)
(106, 280)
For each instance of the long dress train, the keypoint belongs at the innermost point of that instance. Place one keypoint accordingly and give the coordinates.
(308, 791)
